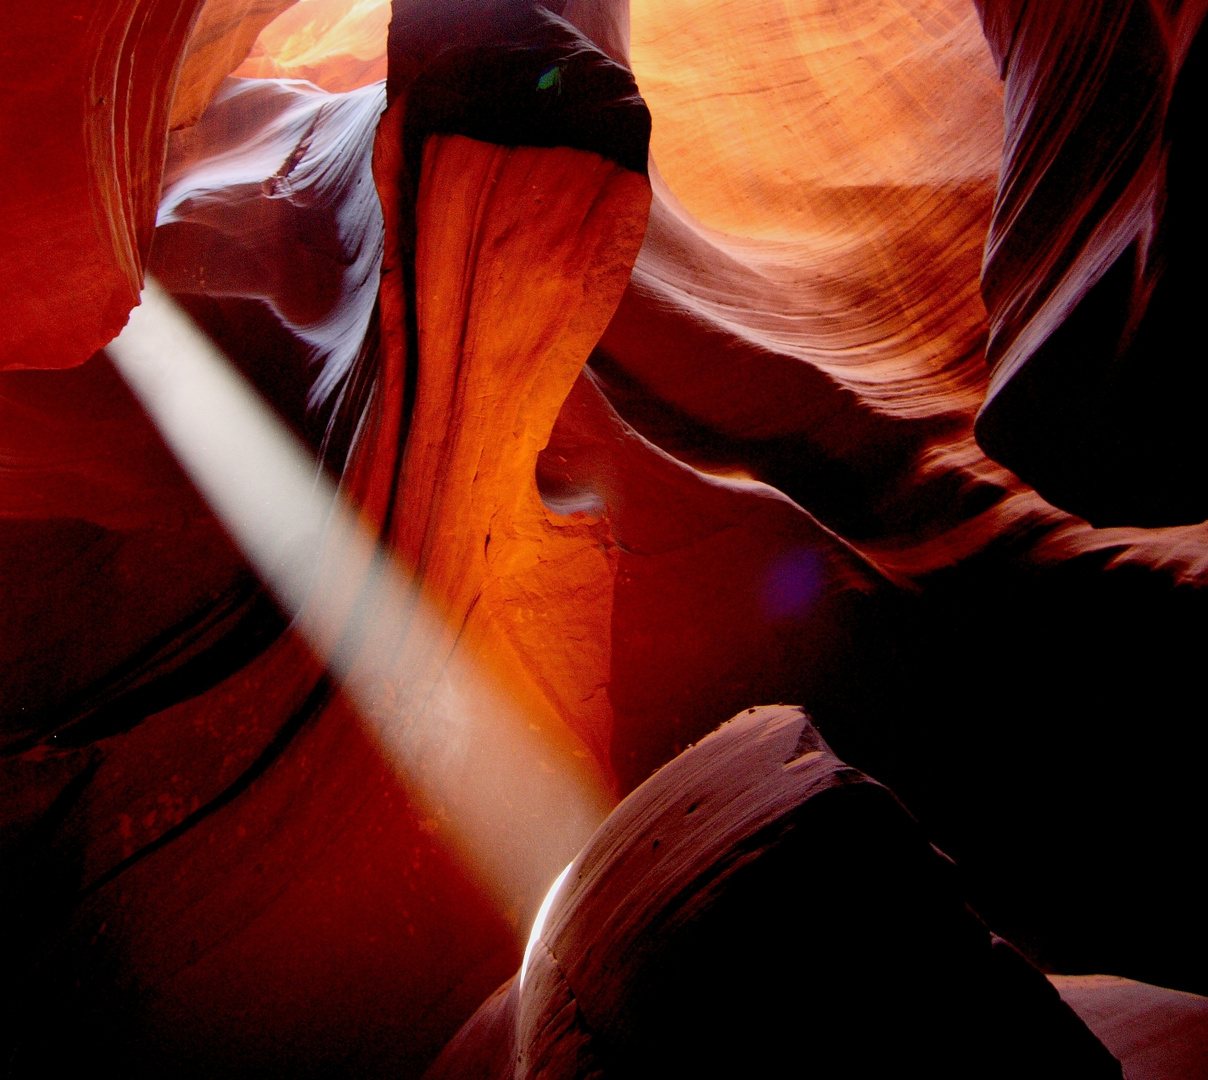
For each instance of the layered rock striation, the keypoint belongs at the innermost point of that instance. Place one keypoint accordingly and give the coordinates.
(1092, 257)
(663, 421)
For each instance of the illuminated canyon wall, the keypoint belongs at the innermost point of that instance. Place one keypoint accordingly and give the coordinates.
(653, 347)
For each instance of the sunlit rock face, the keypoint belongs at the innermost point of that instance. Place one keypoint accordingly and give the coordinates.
(1092, 262)
(827, 337)
(336, 44)
(661, 437)
(270, 232)
(220, 41)
(813, 195)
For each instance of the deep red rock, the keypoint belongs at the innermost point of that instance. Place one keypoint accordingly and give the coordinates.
(90, 99)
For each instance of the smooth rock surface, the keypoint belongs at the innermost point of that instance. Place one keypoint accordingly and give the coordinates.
(1157, 1034)
(220, 41)
(758, 905)
(89, 90)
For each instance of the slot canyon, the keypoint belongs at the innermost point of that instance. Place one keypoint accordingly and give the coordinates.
(586, 539)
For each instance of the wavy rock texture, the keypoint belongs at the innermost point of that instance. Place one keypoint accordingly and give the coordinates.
(92, 93)
(174, 961)
(748, 474)
(154, 767)
(1092, 256)
(333, 43)
(269, 222)
(80, 458)
(826, 337)
(830, 266)
(220, 42)
(814, 197)
(89, 97)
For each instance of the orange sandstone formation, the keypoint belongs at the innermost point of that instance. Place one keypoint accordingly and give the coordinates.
(155, 804)
(220, 42)
(845, 283)
(745, 472)
(842, 363)
(631, 672)
(813, 253)
(335, 44)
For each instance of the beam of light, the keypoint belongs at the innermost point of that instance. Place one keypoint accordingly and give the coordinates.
(515, 802)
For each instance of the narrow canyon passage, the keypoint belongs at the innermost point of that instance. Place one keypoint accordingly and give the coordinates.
(641, 364)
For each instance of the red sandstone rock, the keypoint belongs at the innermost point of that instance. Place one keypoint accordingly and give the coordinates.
(244, 849)
(115, 572)
(93, 91)
(87, 117)
(248, 856)
(719, 590)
